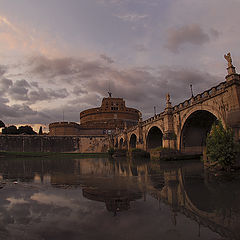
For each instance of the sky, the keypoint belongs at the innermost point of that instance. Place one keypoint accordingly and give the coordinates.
(63, 55)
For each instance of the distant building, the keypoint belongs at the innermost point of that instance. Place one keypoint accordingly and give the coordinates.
(113, 114)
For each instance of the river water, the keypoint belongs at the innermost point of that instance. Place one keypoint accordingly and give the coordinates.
(90, 199)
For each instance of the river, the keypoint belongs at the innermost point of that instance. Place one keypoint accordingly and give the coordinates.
(59, 198)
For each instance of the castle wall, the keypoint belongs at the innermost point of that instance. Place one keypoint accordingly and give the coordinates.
(102, 116)
(64, 129)
(81, 144)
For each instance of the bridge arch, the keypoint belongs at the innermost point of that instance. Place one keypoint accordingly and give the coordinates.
(196, 126)
(154, 138)
(212, 109)
(133, 141)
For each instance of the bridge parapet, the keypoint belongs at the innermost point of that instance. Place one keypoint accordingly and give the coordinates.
(201, 97)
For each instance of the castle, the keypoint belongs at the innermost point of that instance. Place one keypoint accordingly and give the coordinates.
(109, 117)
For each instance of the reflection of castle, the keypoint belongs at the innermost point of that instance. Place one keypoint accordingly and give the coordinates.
(115, 200)
(112, 114)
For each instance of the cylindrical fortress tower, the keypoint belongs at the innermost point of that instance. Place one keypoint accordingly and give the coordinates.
(112, 114)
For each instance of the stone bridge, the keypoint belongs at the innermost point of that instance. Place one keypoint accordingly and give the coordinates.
(185, 126)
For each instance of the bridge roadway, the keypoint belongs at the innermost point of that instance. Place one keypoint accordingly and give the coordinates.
(185, 126)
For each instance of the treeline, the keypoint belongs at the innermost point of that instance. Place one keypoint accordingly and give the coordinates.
(28, 130)
(21, 130)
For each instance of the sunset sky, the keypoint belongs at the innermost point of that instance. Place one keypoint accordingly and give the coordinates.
(62, 55)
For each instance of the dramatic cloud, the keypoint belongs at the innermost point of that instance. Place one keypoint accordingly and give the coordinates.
(192, 34)
(60, 67)
(21, 90)
(42, 95)
(70, 63)
(83, 83)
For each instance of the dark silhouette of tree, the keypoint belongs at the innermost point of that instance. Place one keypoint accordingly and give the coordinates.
(26, 130)
(2, 125)
(10, 130)
(40, 131)
(21, 130)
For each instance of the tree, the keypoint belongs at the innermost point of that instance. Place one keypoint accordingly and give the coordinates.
(21, 130)
(40, 132)
(220, 145)
(2, 125)
(10, 130)
(26, 130)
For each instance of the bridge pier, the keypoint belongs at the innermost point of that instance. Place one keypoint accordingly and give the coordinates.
(169, 136)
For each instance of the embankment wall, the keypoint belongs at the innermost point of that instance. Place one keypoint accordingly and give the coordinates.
(81, 144)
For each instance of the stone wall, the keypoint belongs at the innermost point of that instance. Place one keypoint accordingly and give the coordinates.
(25, 143)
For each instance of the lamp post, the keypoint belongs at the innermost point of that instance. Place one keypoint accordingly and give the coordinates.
(191, 90)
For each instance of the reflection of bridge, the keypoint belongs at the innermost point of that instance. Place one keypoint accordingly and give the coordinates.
(185, 126)
(179, 197)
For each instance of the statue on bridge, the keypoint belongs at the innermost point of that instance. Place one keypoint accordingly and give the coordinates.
(231, 69)
(168, 103)
(168, 98)
(229, 59)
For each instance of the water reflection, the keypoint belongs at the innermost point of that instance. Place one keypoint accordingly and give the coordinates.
(74, 194)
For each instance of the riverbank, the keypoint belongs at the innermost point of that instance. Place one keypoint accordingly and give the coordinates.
(50, 155)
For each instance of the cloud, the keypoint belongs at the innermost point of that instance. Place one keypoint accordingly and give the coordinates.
(5, 84)
(106, 58)
(19, 90)
(18, 40)
(132, 17)
(22, 90)
(42, 95)
(3, 70)
(60, 67)
(16, 111)
(193, 34)
(84, 83)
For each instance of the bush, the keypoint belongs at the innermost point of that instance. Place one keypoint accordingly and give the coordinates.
(111, 151)
(220, 146)
(139, 153)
